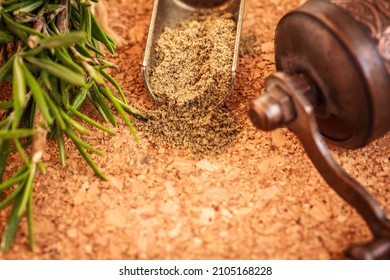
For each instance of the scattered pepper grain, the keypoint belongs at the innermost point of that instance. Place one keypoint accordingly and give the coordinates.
(249, 45)
(200, 131)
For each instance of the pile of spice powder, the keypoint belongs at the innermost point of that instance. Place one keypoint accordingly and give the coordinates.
(191, 79)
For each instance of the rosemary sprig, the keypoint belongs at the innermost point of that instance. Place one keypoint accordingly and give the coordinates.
(51, 56)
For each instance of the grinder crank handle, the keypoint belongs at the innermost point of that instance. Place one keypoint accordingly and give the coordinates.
(290, 101)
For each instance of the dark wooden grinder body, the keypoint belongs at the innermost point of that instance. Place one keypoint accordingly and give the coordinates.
(333, 82)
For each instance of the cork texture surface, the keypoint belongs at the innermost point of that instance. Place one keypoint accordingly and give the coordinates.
(260, 198)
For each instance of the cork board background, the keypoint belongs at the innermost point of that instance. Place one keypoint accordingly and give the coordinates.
(259, 199)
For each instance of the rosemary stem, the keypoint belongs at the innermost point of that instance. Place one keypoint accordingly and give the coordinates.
(62, 23)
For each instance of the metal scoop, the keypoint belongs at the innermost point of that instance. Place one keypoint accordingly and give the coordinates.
(169, 13)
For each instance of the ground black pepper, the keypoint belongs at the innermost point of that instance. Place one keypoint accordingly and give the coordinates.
(191, 80)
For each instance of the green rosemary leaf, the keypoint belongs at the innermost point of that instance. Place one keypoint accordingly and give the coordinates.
(93, 101)
(131, 110)
(110, 96)
(24, 144)
(39, 95)
(21, 170)
(4, 146)
(21, 151)
(90, 162)
(15, 179)
(93, 73)
(105, 64)
(28, 7)
(14, 29)
(103, 105)
(27, 191)
(75, 124)
(31, 116)
(41, 167)
(12, 134)
(77, 140)
(4, 124)
(55, 92)
(13, 223)
(46, 80)
(19, 90)
(81, 20)
(6, 68)
(96, 45)
(67, 60)
(16, 6)
(57, 70)
(6, 105)
(88, 19)
(115, 84)
(61, 145)
(21, 30)
(94, 49)
(53, 7)
(33, 52)
(63, 40)
(55, 110)
(112, 41)
(79, 99)
(91, 121)
(81, 48)
(9, 2)
(84, 3)
(30, 221)
(100, 35)
(10, 197)
(6, 37)
(64, 89)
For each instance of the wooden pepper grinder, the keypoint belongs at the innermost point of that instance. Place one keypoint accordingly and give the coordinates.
(333, 82)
